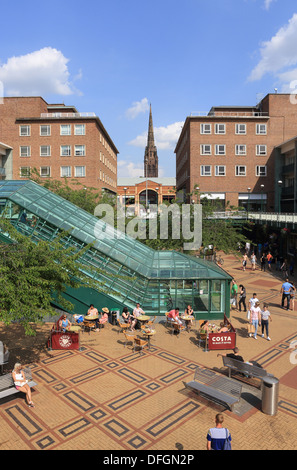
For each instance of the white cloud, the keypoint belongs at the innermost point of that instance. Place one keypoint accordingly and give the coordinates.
(268, 3)
(129, 169)
(279, 54)
(37, 73)
(165, 137)
(138, 107)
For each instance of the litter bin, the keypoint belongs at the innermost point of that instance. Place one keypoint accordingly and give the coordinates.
(270, 390)
(113, 317)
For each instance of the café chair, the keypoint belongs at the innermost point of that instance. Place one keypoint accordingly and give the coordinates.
(202, 337)
(87, 325)
(140, 343)
(151, 322)
(123, 327)
(178, 328)
(129, 338)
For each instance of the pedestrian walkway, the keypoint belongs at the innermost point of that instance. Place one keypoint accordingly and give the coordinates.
(108, 397)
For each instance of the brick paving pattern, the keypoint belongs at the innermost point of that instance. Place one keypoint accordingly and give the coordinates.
(107, 397)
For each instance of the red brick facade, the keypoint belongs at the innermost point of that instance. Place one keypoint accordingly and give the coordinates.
(49, 131)
(244, 161)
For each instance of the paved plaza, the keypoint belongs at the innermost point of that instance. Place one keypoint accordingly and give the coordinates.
(107, 397)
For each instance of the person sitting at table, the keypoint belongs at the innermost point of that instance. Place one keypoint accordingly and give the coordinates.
(126, 315)
(104, 316)
(64, 323)
(173, 316)
(223, 328)
(204, 326)
(190, 312)
(137, 312)
(92, 312)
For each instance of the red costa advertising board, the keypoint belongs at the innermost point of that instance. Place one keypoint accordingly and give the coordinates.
(68, 340)
(222, 340)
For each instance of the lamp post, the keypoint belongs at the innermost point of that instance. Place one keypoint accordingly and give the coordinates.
(196, 188)
(280, 183)
(262, 187)
(125, 189)
(157, 189)
(248, 204)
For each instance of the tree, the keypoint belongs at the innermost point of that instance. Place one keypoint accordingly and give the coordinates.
(31, 272)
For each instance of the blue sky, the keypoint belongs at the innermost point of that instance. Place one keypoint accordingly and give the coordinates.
(116, 57)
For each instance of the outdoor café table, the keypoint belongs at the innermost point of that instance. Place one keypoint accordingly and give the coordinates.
(75, 329)
(143, 318)
(187, 319)
(91, 317)
(148, 333)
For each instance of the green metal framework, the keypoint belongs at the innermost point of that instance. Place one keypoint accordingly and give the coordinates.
(131, 271)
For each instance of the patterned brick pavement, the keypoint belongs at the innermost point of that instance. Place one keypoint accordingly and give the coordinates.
(107, 397)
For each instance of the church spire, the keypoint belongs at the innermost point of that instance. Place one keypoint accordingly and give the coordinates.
(150, 156)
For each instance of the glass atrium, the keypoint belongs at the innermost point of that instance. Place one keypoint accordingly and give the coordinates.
(130, 271)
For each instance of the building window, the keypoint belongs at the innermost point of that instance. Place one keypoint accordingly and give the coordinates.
(240, 149)
(220, 149)
(240, 170)
(261, 170)
(261, 150)
(220, 170)
(65, 129)
(79, 129)
(80, 171)
(45, 130)
(79, 150)
(220, 129)
(261, 129)
(65, 150)
(45, 171)
(25, 131)
(25, 171)
(25, 151)
(45, 150)
(65, 171)
(240, 129)
(205, 149)
(205, 170)
(205, 128)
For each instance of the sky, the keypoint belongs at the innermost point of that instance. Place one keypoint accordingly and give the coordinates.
(115, 58)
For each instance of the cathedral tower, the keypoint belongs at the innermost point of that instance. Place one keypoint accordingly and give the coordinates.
(150, 156)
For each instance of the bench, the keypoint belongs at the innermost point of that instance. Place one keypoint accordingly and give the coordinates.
(215, 387)
(248, 370)
(7, 386)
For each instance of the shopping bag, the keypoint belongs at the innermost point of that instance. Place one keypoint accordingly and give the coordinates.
(251, 328)
(248, 315)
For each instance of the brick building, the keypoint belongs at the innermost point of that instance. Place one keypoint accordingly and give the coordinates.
(230, 152)
(58, 141)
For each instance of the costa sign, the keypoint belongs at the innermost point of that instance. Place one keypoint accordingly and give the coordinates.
(222, 340)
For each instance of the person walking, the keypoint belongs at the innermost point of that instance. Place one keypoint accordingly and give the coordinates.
(263, 262)
(234, 291)
(242, 298)
(265, 319)
(217, 436)
(269, 260)
(255, 318)
(253, 261)
(244, 261)
(292, 297)
(286, 293)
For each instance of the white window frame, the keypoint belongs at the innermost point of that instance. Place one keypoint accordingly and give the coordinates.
(238, 130)
(203, 171)
(25, 151)
(259, 130)
(28, 128)
(218, 170)
(28, 171)
(63, 129)
(204, 130)
(48, 127)
(78, 152)
(239, 151)
(218, 131)
(62, 154)
(218, 151)
(258, 171)
(238, 172)
(203, 150)
(79, 126)
(69, 172)
(83, 171)
(45, 175)
(260, 153)
(48, 150)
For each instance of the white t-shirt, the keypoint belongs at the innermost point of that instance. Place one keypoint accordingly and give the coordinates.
(137, 312)
(253, 301)
(265, 315)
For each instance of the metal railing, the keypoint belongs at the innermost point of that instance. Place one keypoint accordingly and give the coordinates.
(67, 115)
